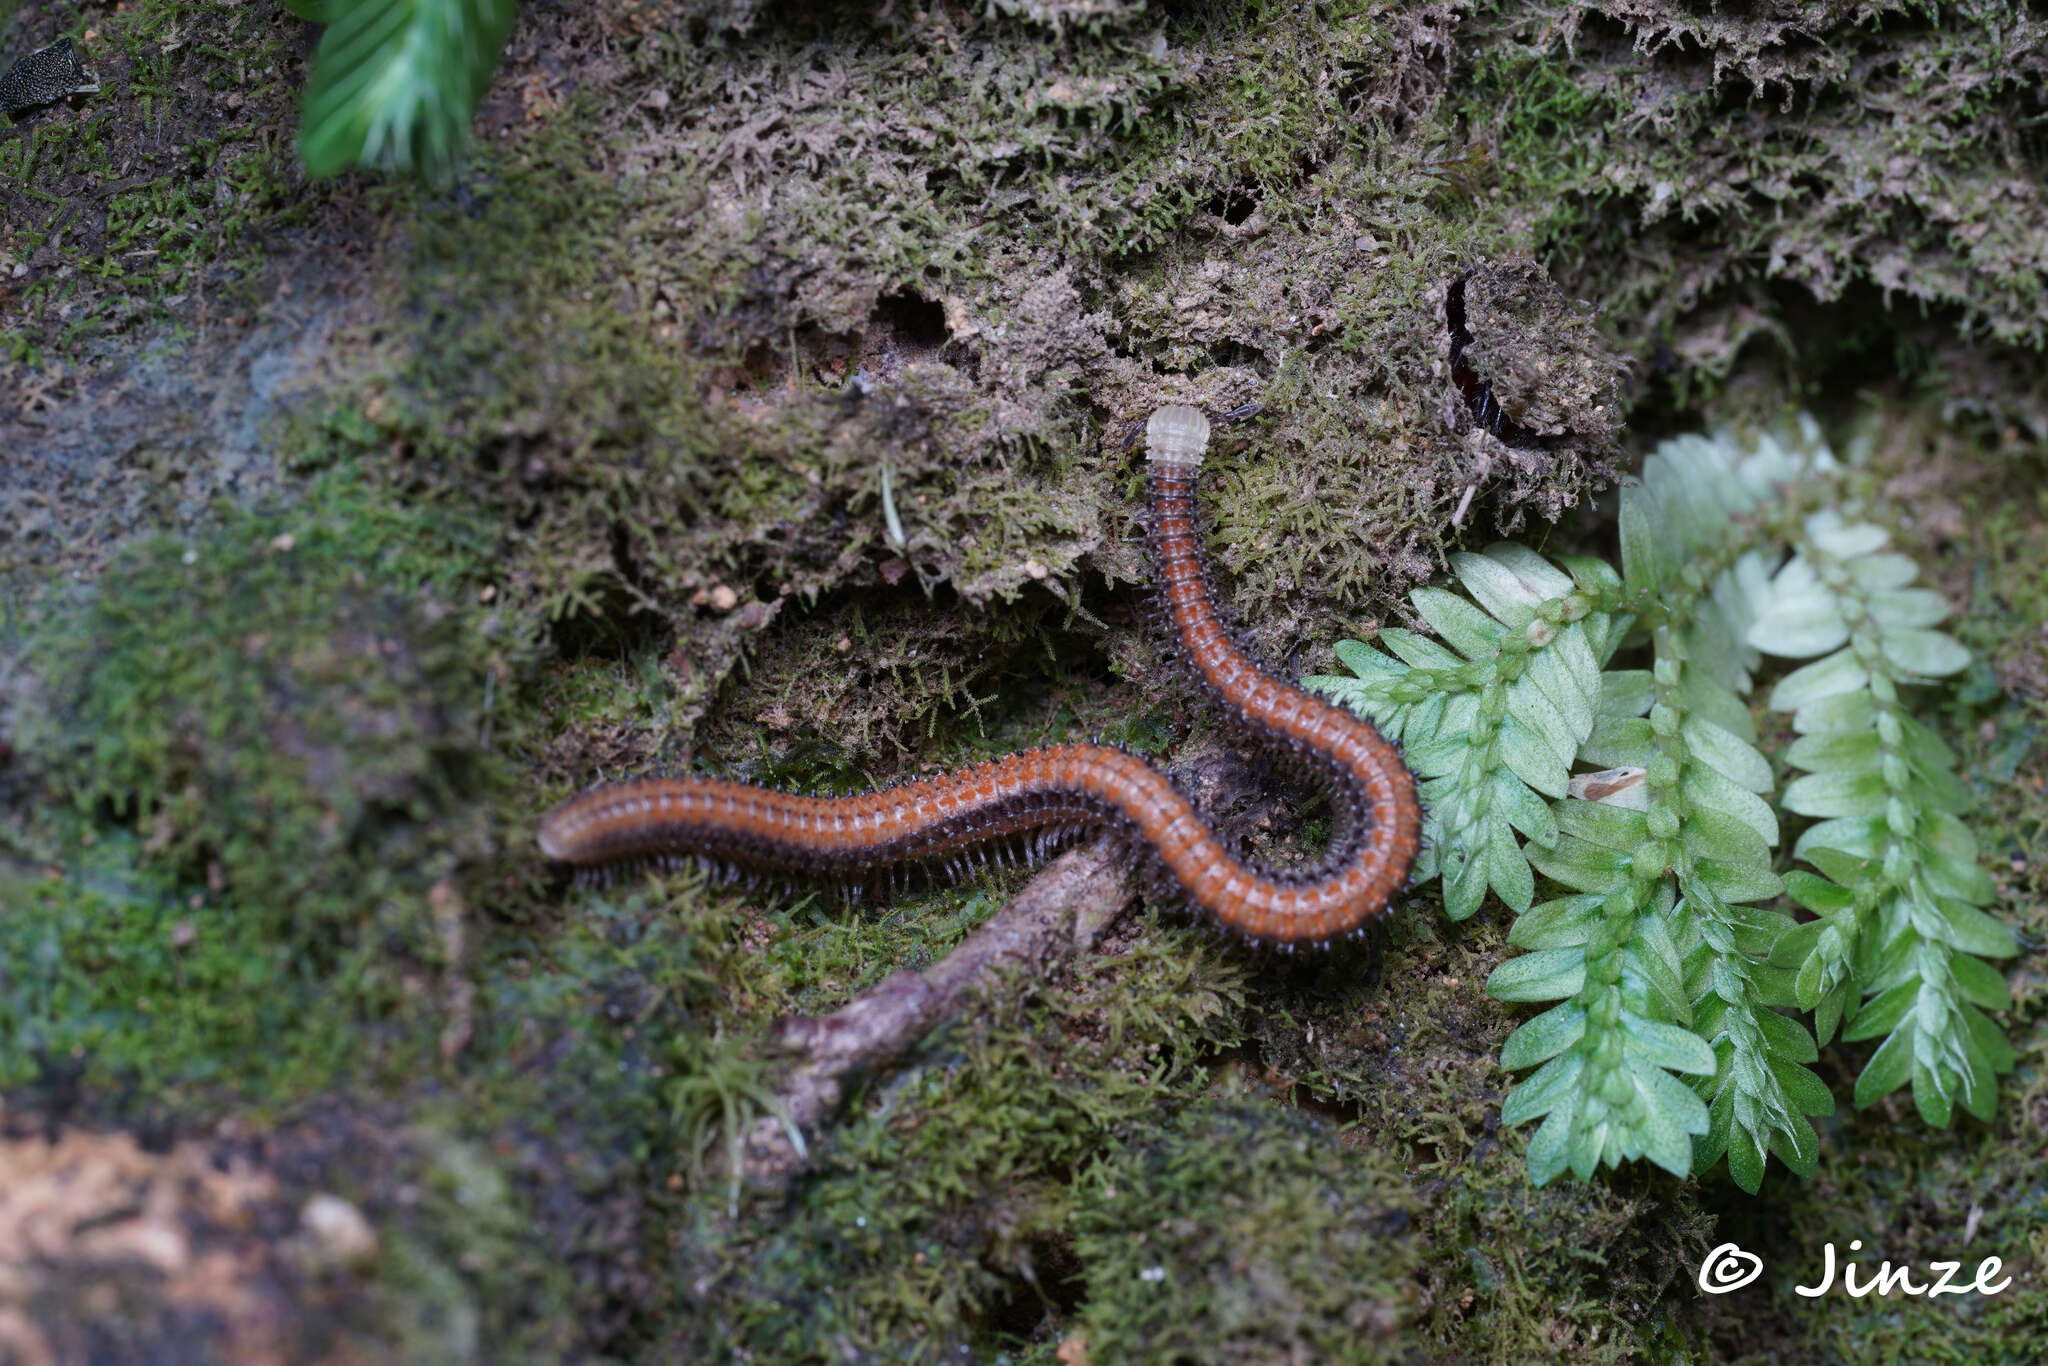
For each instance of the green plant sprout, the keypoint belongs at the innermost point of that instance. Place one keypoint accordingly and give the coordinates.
(1668, 965)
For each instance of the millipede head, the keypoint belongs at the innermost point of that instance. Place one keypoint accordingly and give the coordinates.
(1176, 436)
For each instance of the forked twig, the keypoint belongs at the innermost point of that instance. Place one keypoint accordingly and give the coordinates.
(1061, 912)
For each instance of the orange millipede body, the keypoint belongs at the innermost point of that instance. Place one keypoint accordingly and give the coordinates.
(1063, 788)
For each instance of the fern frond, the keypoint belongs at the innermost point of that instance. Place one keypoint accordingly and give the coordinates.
(1696, 533)
(396, 82)
(1492, 729)
(1899, 946)
(1606, 1093)
(1667, 966)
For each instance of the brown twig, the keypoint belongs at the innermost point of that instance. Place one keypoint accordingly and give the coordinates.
(1061, 912)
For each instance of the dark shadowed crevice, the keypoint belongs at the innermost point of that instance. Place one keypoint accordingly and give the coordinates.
(916, 321)
(1234, 204)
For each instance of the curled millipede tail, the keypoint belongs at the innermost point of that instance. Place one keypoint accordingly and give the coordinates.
(1034, 801)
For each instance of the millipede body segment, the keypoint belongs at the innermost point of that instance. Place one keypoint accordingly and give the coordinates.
(1050, 793)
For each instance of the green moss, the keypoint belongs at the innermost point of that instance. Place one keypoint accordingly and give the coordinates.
(1599, 1270)
(656, 347)
(272, 738)
(1912, 1202)
(168, 183)
(457, 1275)
(684, 370)
(106, 964)
(935, 1218)
(1245, 1233)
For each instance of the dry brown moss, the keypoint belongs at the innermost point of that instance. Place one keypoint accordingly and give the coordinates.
(1714, 175)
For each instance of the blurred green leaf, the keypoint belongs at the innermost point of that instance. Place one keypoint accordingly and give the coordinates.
(396, 82)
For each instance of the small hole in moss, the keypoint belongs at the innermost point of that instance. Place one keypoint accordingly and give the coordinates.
(916, 320)
(609, 627)
(1059, 1290)
(1235, 204)
(761, 368)
(1234, 353)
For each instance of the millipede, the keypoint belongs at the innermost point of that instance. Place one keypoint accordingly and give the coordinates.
(1050, 795)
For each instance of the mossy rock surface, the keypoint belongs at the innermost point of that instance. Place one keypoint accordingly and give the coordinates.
(348, 525)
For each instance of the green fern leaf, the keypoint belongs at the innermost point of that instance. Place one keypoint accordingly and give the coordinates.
(396, 82)
(1664, 969)
(1491, 725)
(1903, 922)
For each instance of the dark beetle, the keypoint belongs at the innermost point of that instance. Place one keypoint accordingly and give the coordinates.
(43, 78)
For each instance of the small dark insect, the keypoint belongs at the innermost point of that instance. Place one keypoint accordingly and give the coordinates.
(43, 77)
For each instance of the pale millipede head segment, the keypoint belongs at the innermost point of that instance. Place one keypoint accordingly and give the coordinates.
(1176, 436)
